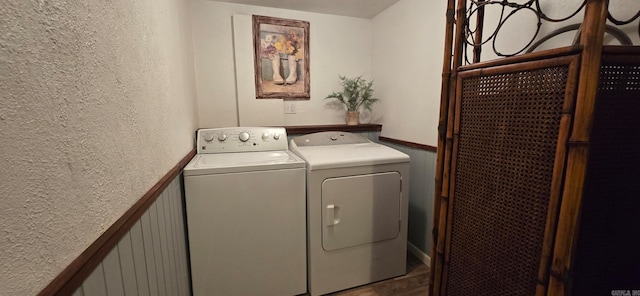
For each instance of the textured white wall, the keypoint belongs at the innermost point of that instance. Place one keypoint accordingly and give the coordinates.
(97, 103)
(339, 45)
(408, 45)
(251, 112)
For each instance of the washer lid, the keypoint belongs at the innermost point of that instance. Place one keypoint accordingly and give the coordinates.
(349, 155)
(203, 164)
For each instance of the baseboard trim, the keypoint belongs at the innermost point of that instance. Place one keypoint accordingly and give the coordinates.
(75, 273)
(419, 254)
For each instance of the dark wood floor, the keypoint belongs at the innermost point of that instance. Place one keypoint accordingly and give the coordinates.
(415, 282)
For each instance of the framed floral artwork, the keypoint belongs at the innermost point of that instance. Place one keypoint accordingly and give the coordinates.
(281, 48)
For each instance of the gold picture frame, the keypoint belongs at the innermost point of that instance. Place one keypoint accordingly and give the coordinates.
(281, 51)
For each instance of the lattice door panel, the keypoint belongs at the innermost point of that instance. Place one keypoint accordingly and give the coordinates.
(607, 255)
(507, 125)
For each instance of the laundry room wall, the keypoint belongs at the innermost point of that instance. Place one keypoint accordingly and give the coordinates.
(98, 103)
(408, 46)
(224, 74)
(400, 49)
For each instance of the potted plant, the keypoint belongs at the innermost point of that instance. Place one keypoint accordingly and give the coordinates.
(356, 94)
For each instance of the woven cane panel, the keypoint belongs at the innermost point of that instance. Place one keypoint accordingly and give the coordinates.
(508, 135)
(608, 249)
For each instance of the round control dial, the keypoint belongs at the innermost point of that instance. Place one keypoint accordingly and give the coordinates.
(208, 137)
(222, 137)
(244, 136)
(276, 136)
(265, 136)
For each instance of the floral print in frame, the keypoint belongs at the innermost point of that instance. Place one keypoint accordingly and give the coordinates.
(281, 48)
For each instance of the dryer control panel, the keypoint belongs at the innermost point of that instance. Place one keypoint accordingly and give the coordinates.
(241, 139)
(329, 138)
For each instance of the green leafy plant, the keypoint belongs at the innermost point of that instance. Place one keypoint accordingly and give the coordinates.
(356, 93)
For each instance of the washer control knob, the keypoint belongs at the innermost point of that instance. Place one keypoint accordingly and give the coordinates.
(222, 137)
(334, 137)
(276, 136)
(208, 137)
(244, 136)
(265, 136)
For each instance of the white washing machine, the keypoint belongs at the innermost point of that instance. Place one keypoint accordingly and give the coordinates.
(245, 208)
(357, 207)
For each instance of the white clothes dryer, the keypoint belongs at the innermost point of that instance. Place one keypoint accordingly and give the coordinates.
(357, 207)
(245, 208)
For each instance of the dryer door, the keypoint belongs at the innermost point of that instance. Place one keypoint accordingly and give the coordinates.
(359, 210)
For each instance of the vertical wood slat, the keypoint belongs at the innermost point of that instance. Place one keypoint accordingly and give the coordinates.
(170, 238)
(566, 235)
(181, 268)
(139, 261)
(95, 284)
(175, 238)
(558, 173)
(455, 128)
(149, 251)
(157, 249)
(477, 48)
(442, 123)
(457, 61)
(113, 273)
(127, 264)
(164, 246)
(78, 292)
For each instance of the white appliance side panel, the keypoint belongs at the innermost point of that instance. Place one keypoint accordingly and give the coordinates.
(247, 233)
(360, 210)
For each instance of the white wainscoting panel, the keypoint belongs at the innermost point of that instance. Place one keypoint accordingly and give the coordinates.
(151, 259)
